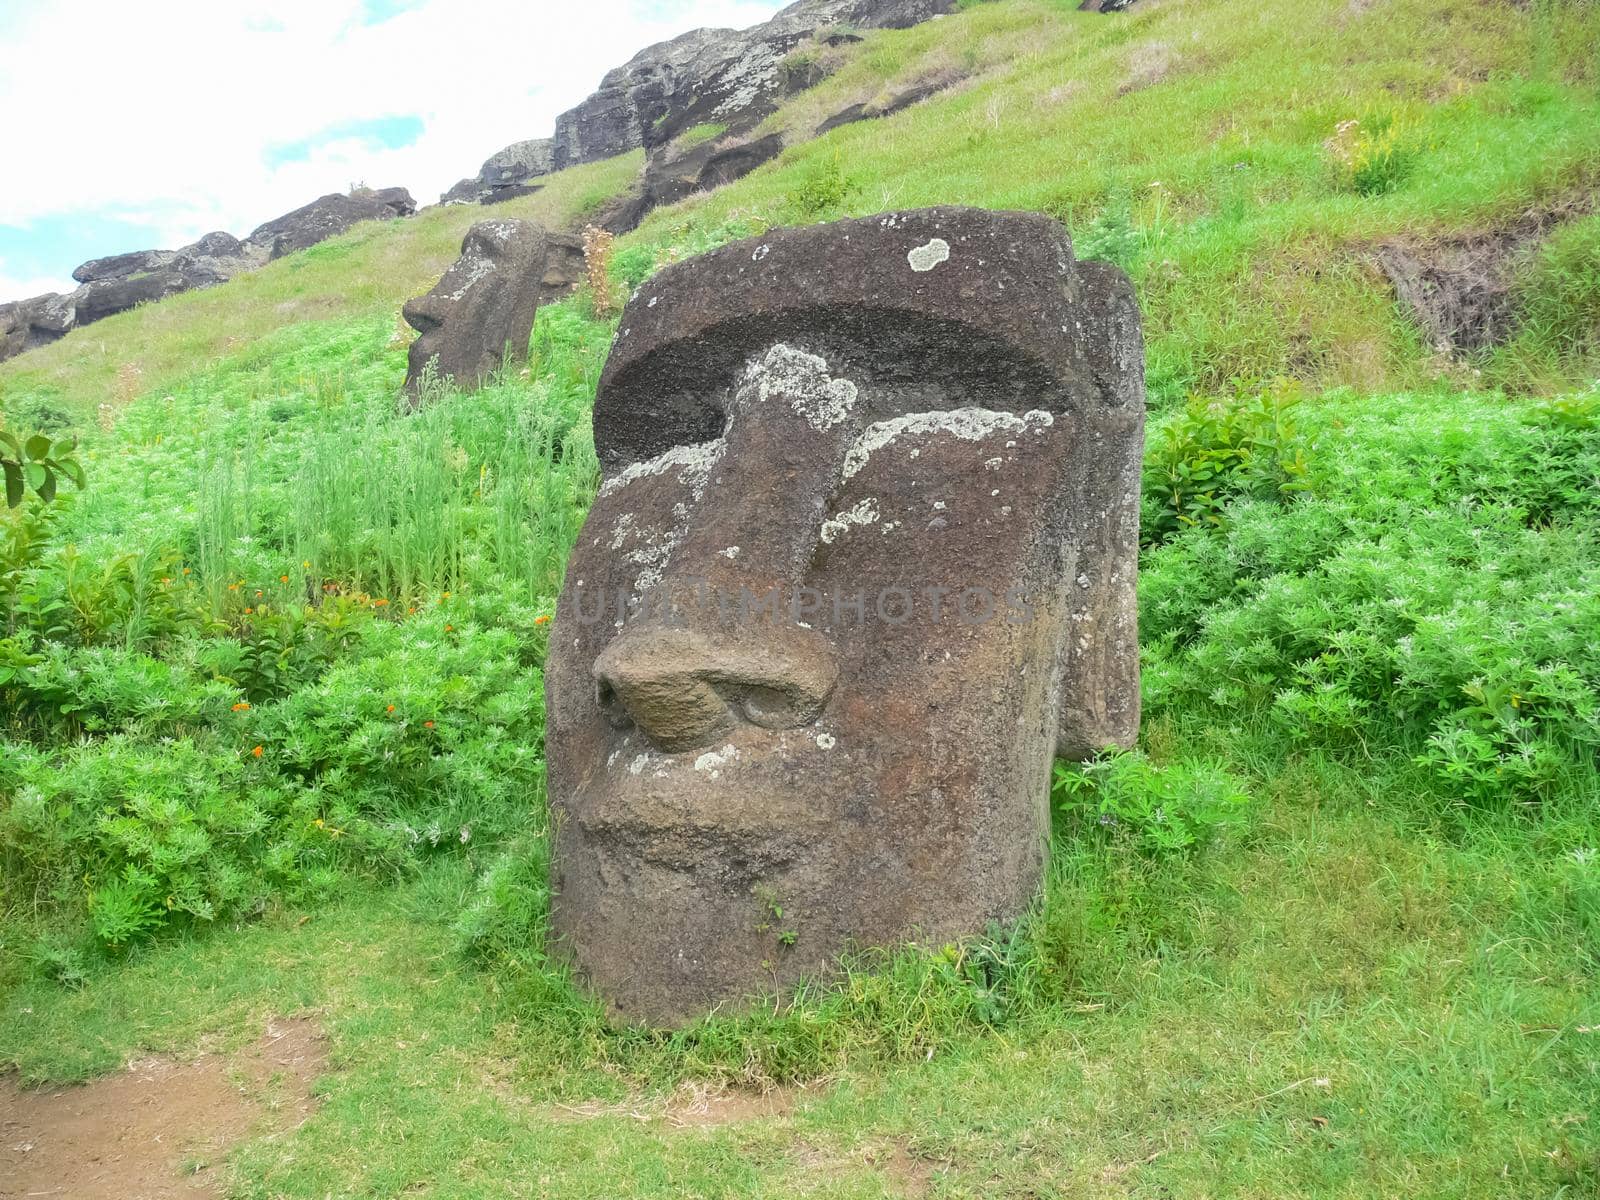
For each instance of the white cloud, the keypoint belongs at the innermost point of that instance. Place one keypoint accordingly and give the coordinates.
(25, 287)
(170, 108)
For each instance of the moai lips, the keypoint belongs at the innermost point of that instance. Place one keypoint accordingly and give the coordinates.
(862, 565)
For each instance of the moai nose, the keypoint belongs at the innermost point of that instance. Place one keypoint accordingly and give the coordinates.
(722, 647)
(683, 688)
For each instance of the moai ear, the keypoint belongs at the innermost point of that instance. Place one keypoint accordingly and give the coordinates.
(1099, 697)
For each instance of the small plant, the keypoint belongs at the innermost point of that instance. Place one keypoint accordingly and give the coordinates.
(772, 916)
(1219, 450)
(1370, 157)
(1111, 236)
(823, 191)
(1163, 811)
(36, 464)
(597, 248)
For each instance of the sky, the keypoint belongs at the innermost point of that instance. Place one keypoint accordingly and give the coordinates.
(140, 126)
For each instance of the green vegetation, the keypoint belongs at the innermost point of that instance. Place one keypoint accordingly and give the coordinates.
(271, 693)
(699, 135)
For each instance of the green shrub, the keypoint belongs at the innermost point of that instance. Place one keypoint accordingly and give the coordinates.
(1217, 451)
(1111, 236)
(506, 917)
(1162, 811)
(1435, 595)
(822, 191)
(1372, 155)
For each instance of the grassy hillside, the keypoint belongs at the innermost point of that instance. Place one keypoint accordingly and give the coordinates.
(271, 685)
(375, 268)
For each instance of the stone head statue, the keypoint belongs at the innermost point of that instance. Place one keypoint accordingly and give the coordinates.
(862, 565)
(482, 308)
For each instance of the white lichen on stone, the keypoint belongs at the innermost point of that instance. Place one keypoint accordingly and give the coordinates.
(713, 760)
(865, 512)
(825, 741)
(467, 272)
(694, 462)
(927, 257)
(804, 381)
(622, 530)
(731, 553)
(750, 76)
(968, 424)
(637, 766)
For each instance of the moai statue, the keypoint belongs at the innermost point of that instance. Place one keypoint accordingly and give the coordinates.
(482, 310)
(862, 565)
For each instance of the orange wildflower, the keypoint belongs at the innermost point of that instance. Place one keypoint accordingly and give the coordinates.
(540, 620)
(390, 708)
(379, 603)
(258, 752)
(427, 724)
(241, 706)
(283, 579)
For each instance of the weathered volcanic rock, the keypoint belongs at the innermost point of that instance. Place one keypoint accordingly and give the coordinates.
(669, 177)
(121, 281)
(117, 266)
(512, 192)
(713, 76)
(38, 321)
(1105, 6)
(330, 215)
(481, 312)
(107, 297)
(871, 502)
(899, 101)
(503, 173)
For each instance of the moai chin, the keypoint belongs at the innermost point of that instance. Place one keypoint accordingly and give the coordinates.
(862, 564)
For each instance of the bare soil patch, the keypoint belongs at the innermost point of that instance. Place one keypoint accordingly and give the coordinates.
(159, 1128)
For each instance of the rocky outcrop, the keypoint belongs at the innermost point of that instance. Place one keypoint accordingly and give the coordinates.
(669, 177)
(328, 216)
(717, 83)
(714, 76)
(897, 102)
(118, 282)
(29, 324)
(505, 175)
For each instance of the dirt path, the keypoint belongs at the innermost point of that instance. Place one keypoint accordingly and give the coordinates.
(159, 1129)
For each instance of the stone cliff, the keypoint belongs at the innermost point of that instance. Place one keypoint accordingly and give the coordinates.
(723, 80)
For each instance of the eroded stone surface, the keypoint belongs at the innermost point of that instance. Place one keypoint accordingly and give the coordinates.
(883, 522)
